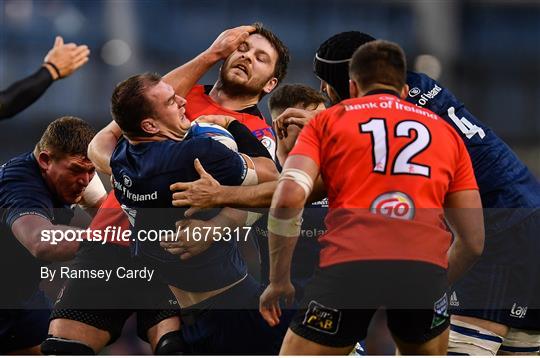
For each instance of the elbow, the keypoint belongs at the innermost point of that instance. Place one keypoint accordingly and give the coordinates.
(266, 169)
(478, 246)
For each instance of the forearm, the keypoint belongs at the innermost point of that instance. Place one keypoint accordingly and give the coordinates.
(183, 78)
(23, 93)
(281, 251)
(460, 260)
(250, 196)
(102, 146)
(58, 250)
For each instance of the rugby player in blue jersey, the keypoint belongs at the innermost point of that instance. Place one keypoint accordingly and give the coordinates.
(213, 288)
(38, 191)
(489, 304)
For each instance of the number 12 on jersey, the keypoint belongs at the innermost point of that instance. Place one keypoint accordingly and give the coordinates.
(377, 129)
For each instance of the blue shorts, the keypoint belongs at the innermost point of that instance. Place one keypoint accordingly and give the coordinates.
(230, 323)
(504, 284)
(25, 327)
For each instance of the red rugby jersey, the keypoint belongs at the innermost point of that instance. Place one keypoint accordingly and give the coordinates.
(387, 166)
(199, 103)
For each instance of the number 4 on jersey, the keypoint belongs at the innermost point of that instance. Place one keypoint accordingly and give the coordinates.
(376, 127)
(465, 126)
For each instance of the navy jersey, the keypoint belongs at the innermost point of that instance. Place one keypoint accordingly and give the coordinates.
(505, 182)
(23, 192)
(142, 175)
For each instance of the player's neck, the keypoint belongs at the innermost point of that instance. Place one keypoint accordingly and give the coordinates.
(233, 102)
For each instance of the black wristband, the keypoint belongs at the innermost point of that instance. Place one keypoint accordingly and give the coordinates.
(54, 67)
(246, 141)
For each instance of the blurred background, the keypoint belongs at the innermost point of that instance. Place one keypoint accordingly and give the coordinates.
(486, 51)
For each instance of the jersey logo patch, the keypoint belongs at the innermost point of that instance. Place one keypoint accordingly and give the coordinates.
(321, 318)
(127, 181)
(414, 92)
(394, 204)
(440, 311)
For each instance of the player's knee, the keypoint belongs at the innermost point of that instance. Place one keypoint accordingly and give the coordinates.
(61, 346)
(171, 343)
(520, 342)
(468, 339)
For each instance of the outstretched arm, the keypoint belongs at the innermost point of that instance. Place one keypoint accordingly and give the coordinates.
(61, 61)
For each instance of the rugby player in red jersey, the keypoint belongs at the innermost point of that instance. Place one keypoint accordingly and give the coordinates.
(390, 170)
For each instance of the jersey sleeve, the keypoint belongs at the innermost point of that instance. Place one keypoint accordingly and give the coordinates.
(464, 178)
(309, 142)
(226, 166)
(26, 199)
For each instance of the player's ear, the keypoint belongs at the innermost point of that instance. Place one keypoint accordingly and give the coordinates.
(404, 91)
(44, 159)
(149, 125)
(353, 89)
(270, 85)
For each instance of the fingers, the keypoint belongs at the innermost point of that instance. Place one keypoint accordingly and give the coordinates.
(192, 211)
(199, 168)
(80, 63)
(246, 28)
(58, 41)
(179, 187)
(269, 315)
(81, 51)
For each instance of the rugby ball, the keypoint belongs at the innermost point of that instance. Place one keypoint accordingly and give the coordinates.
(211, 130)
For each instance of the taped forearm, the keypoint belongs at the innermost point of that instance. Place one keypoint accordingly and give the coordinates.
(23, 93)
(246, 141)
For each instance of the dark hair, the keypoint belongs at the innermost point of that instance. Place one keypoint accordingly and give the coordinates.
(331, 62)
(292, 95)
(283, 52)
(379, 62)
(66, 136)
(130, 105)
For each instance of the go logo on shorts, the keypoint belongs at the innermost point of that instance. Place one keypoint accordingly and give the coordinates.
(394, 204)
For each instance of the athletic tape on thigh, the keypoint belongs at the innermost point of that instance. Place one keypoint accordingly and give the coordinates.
(300, 177)
(469, 339)
(520, 341)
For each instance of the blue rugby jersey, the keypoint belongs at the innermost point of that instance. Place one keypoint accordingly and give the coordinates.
(142, 175)
(23, 192)
(509, 191)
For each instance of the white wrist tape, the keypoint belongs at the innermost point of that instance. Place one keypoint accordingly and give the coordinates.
(300, 177)
(93, 193)
(285, 227)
